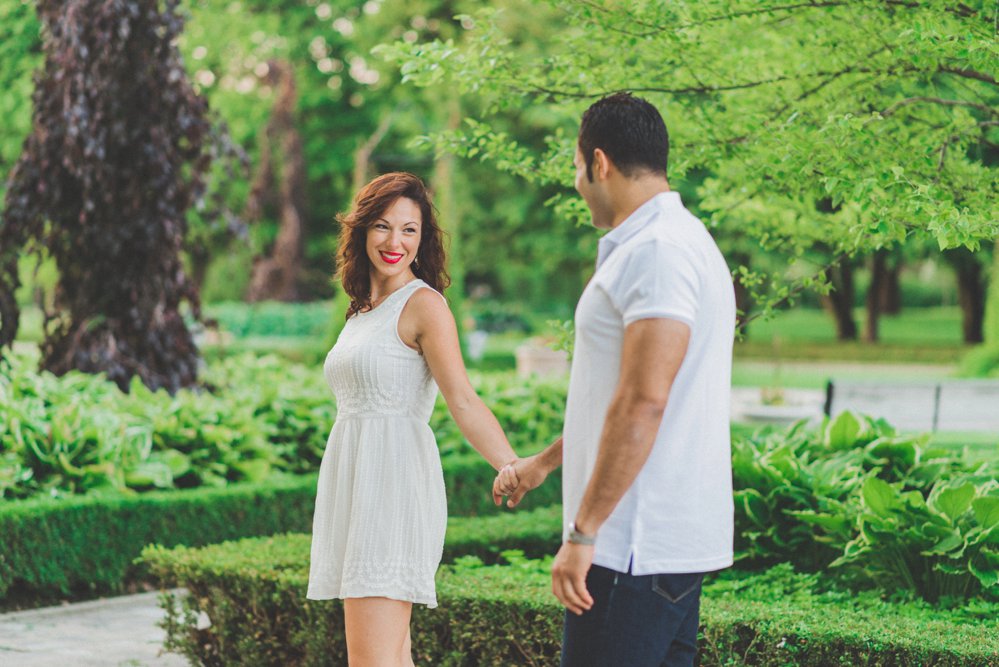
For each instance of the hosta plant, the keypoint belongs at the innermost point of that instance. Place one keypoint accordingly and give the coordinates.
(945, 544)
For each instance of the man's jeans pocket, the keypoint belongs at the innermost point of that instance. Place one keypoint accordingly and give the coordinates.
(675, 587)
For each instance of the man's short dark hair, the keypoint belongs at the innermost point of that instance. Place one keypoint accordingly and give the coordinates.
(629, 131)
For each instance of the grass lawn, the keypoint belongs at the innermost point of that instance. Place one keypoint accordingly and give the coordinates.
(921, 335)
(815, 374)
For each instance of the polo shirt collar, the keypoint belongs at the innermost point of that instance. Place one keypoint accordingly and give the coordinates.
(639, 219)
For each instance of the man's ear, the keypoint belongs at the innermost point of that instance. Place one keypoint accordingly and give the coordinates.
(602, 164)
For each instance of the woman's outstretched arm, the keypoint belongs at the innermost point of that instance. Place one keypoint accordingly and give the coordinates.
(428, 325)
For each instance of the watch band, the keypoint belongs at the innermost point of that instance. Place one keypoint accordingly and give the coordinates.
(576, 537)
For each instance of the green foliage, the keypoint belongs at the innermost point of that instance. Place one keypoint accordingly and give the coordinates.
(565, 335)
(888, 510)
(228, 276)
(256, 416)
(990, 327)
(943, 545)
(272, 318)
(981, 362)
(79, 433)
(336, 319)
(85, 546)
(809, 131)
(497, 317)
(21, 55)
(503, 615)
(468, 480)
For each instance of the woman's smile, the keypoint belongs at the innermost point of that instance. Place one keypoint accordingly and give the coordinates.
(390, 257)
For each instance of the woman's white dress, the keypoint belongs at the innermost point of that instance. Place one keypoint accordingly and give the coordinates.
(381, 512)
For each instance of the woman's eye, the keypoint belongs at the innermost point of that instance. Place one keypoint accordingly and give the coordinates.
(410, 230)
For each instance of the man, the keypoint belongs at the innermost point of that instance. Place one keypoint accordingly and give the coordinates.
(647, 482)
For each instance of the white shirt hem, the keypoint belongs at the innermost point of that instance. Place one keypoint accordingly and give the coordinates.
(665, 566)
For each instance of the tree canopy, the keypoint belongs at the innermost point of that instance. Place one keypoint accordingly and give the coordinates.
(839, 126)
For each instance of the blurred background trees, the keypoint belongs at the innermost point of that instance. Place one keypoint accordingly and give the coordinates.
(115, 158)
(843, 153)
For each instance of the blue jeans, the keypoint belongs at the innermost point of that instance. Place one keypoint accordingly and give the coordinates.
(636, 621)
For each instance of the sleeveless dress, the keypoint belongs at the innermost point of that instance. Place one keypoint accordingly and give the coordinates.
(381, 512)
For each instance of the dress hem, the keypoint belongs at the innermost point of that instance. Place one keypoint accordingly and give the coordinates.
(429, 601)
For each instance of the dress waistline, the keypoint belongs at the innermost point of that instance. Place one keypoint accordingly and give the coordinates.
(344, 416)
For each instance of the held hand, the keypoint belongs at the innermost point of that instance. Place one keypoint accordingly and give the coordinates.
(506, 481)
(520, 476)
(569, 570)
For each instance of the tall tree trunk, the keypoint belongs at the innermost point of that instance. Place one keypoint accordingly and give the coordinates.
(362, 157)
(991, 326)
(276, 276)
(839, 302)
(890, 295)
(450, 218)
(117, 154)
(743, 297)
(970, 293)
(200, 259)
(874, 295)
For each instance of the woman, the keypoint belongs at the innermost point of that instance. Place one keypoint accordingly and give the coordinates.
(378, 530)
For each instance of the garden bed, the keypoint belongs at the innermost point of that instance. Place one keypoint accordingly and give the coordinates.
(252, 595)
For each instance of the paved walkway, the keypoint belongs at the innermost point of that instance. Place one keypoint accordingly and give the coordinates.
(111, 632)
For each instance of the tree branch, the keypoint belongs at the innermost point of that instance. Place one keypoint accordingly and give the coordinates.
(793, 292)
(941, 101)
(961, 10)
(970, 74)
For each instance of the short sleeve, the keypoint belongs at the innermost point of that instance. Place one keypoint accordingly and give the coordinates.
(653, 279)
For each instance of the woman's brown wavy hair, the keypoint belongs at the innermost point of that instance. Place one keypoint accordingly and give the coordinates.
(353, 265)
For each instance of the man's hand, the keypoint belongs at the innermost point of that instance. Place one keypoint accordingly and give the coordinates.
(569, 570)
(518, 477)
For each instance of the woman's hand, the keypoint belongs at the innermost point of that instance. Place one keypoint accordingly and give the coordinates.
(518, 477)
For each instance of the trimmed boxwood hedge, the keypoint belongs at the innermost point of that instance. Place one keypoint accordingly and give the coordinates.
(84, 546)
(253, 594)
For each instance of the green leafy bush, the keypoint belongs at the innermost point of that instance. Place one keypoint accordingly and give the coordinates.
(255, 417)
(853, 493)
(79, 433)
(981, 362)
(506, 615)
(943, 545)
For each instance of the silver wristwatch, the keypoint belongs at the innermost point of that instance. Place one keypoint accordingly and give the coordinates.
(576, 537)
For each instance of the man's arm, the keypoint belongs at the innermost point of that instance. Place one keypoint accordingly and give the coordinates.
(651, 355)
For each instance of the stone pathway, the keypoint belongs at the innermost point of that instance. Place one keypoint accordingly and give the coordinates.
(111, 632)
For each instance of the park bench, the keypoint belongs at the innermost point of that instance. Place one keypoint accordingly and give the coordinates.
(947, 405)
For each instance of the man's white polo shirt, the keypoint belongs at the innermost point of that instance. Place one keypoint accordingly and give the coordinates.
(677, 516)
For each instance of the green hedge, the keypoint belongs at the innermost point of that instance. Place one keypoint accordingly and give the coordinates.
(81, 547)
(272, 318)
(469, 482)
(505, 615)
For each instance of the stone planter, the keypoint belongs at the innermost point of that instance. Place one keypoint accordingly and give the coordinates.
(535, 359)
